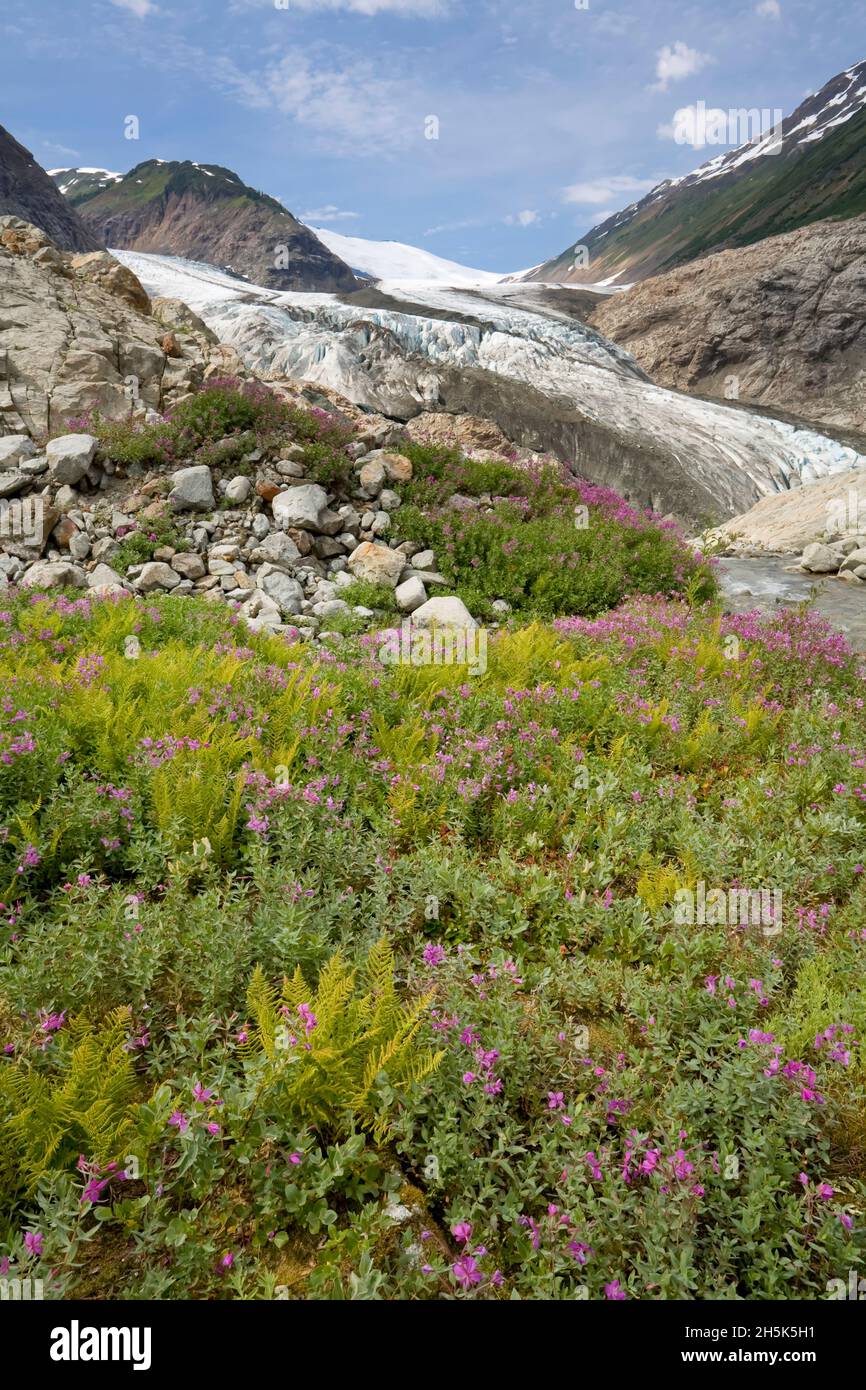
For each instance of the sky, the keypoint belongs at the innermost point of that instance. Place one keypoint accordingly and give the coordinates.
(492, 132)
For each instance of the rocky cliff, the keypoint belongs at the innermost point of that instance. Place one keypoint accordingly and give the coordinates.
(26, 191)
(781, 323)
(78, 333)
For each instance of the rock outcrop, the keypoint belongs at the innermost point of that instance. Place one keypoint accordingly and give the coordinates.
(781, 323)
(788, 522)
(77, 335)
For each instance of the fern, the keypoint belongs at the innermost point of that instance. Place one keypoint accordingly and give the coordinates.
(48, 1120)
(333, 1075)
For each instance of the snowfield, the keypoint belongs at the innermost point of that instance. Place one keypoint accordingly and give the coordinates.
(396, 261)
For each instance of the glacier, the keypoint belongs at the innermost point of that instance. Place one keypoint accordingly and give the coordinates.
(532, 365)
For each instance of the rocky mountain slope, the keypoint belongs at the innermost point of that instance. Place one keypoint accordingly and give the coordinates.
(781, 323)
(504, 354)
(207, 213)
(78, 333)
(27, 192)
(740, 196)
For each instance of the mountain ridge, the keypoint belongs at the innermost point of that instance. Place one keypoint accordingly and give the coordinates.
(205, 212)
(738, 197)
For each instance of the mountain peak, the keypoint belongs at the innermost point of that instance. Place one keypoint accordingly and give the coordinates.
(204, 212)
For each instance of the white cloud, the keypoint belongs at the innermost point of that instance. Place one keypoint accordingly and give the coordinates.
(673, 63)
(526, 218)
(329, 214)
(140, 8)
(769, 9)
(420, 9)
(606, 190)
(455, 226)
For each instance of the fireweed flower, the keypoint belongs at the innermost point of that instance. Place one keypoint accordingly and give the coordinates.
(433, 954)
(462, 1232)
(466, 1272)
(179, 1121)
(33, 1242)
(614, 1291)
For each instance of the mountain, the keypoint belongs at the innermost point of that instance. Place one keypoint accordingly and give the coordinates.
(781, 323)
(206, 213)
(394, 260)
(740, 196)
(27, 192)
(78, 184)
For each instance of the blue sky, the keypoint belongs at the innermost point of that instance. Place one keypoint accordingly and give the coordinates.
(550, 116)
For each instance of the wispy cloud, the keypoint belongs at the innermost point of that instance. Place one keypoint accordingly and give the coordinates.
(458, 226)
(329, 214)
(527, 218)
(606, 190)
(140, 8)
(411, 9)
(769, 9)
(674, 62)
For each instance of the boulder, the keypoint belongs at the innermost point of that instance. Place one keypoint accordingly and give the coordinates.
(398, 469)
(376, 563)
(819, 559)
(854, 560)
(188, 566)
(11, 483)
(192, 489)
(300, 506)
(239, 489)
(277, 549)
(104, 577)
(157, 575)
(14, 449)
(54, 574)
(443, 612)
(410, 595)
(286, 592)
(69, 457)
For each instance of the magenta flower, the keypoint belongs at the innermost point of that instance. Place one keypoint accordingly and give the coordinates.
(462, 1232)
(614, 1291)
(466, 1272)
(433, 954)
(200, 1094)
(179, 1120)
(295, 1158)
(33, 1242)
(555, 1100)
(227, 1260)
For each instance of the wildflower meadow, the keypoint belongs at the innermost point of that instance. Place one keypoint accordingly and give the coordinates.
(329, 978)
